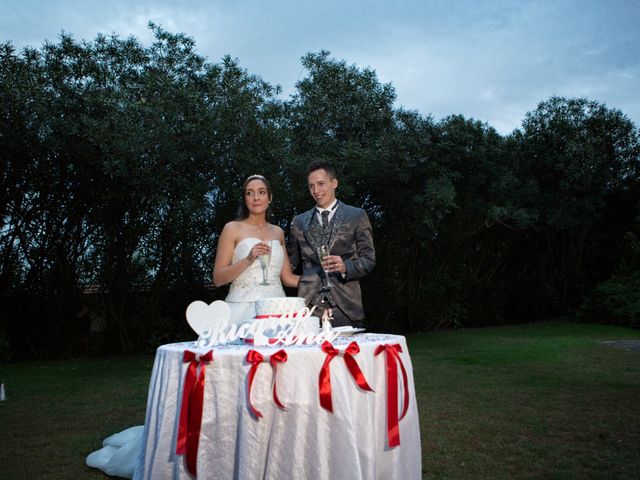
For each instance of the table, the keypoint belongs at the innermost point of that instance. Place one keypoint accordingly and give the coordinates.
(305, 441)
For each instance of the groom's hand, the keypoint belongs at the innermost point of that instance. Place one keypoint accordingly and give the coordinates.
(334, 263)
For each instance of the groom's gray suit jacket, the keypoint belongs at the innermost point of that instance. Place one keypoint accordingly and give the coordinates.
(350, 237)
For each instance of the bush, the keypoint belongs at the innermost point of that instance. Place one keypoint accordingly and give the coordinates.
(615, 301)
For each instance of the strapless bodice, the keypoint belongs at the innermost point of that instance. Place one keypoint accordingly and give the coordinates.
(246, 287)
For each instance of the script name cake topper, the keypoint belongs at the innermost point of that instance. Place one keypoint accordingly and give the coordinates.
(212, 324)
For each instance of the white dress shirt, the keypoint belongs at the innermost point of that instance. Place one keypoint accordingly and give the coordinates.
(331, 209)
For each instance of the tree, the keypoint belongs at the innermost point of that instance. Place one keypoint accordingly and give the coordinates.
(584, 158)
(120, 163)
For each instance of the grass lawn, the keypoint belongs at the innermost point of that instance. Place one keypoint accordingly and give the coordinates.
(545, 400)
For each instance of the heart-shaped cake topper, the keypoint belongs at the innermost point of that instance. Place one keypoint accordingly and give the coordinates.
(202, 317)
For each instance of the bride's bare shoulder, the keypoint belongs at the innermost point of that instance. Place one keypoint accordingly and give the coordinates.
(232, 232)
(279, 233)
(234, 226)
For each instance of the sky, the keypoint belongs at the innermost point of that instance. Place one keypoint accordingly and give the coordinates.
(491, 60)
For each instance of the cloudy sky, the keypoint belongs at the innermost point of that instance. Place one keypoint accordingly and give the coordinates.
(492, 60)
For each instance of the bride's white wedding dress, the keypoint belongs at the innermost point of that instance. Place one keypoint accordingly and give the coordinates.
(119, 454)
(247, 288)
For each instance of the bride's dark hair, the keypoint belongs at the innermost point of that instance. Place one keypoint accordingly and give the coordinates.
(243, 211)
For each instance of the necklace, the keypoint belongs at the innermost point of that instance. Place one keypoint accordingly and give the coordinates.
(258, 227)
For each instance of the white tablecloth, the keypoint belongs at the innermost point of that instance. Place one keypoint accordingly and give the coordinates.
(303, 442)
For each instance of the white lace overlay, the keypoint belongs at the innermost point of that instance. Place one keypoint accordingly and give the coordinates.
(246, 287)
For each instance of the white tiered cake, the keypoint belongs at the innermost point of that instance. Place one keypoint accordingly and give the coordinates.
(278, 306)
(291, 307)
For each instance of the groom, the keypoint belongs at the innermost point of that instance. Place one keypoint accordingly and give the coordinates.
(347, 232)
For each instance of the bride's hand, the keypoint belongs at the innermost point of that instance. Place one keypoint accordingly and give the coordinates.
(258, 249)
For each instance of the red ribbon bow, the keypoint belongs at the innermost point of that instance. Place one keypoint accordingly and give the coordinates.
(325, 372)
(255, 358)
(191, 408)
(392, 353)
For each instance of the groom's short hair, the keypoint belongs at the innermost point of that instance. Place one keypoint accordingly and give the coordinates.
(321, 164)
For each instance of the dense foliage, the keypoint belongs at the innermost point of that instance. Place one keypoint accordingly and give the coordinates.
(119, 165)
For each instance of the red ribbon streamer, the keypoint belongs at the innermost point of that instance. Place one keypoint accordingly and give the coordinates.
(191, 408)
(325, 372)
(275, 315)
(255, 358)
(392, 353)
(325, 376)
(353, 349)
(281, 357)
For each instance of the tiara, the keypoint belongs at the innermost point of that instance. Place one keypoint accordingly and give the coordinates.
(255, 175)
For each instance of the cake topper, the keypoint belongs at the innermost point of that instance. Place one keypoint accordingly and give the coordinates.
(211, 323)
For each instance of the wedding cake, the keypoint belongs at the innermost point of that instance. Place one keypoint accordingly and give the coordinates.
(278, 306)
(291, 307)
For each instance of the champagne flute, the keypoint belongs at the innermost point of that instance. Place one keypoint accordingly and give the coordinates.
(264, 264)
(323, 252)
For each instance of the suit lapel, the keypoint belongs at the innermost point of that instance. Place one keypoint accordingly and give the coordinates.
(336, 221)
(306, 222)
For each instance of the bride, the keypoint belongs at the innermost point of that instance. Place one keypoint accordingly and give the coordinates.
(240, 245)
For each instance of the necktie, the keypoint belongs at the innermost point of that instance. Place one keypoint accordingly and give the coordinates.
(325, 218)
